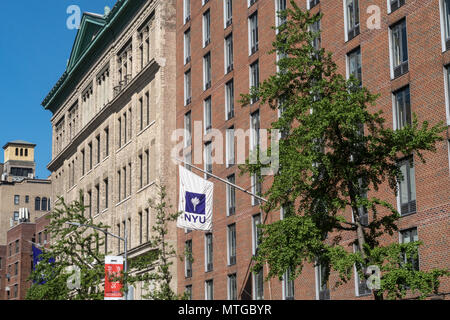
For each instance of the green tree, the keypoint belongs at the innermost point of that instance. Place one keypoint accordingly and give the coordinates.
(333, 151)
(70, 247)
(158, 280)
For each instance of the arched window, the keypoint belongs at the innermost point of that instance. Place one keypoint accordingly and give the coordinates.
(44, 204)
(37, 204)
(26, 152)
(21, 152)
(17, 151)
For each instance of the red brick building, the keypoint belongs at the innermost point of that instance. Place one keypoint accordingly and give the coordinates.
(397, 48)
(17, 257)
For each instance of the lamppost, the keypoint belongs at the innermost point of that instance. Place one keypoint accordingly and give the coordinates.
(106, 232)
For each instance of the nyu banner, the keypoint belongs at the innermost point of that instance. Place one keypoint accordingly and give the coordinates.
(195, 204)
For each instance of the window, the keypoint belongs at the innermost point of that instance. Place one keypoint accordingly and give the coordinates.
(402, 108)
(228, 12)
(97, 199)
(407, 236)
(147, 226)
(106, 142)
(399, 49)
(16, 269)
(395, 4)
(354, 64)
(187, 130)
(280, 6)
(362, 211)
(251, 2)
(187, 46)
(445, 22)
(16, 199)
(208, 252)
(27, 199)
(229, 100)
(352, 17)
(208, 158)
(360, 283)
(16, 216)
(147, 167)
(288, 285)
(256, 233)
(253, 33)
(209, 290)
(256, 188)
(323, 282)
(207, 71)
(315, 27)
(231, 244)
(207, 115)
(188, 291)
(407, 187)
(312, 3)
(141, 171)
(255, 127)
(37, 204)
(90, 155)
(98, 148)
(90, 203)
(258, 285)
(106, 183)
(18, 247)
(125, 66)
(229, 53)
(187, 88)
(140, 227)
(206, 28)
(83, 162)
(232, 287)
(119, 185)
(188, 259)
(254, 78)
(230, 147)
(186, 10)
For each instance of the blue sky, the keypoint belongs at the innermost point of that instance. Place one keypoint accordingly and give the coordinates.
(35, 45)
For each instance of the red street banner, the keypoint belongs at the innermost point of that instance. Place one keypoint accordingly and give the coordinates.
(113, 270)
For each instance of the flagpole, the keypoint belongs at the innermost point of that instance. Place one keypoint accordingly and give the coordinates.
(223, 180)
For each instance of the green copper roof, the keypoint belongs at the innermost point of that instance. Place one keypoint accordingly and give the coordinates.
(93, 30)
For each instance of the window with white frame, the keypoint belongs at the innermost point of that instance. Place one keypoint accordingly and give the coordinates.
(258, 285)
(399, 49)
(187, 46)
(232, 287)
(354, 64)
(229, 53)
(231, 239)
(229, 99)
(256, 233)
(407, 236)
(254, 78)
(253, 33)
(208, 159)
(256, 188)
(228, 12)
(288, 285)
(445, 24)
(407, 187)
(188, 291)
(206, 28)
(208, 252)
(231, 196)
(255, 127)
(207, 115)
(352, 28)
(360, 282)
(187, 129)
(187, 88)
(322, 282)
(280, 6)
(186, 10)
(209, 290)
(402, 108)
(207, 71)
(230, 147)
(447, 91)
(251, 2)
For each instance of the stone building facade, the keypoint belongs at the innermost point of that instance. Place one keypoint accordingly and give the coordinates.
(225, 45)
(113, 115)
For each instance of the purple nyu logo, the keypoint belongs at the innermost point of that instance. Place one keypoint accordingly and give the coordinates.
(196, 205)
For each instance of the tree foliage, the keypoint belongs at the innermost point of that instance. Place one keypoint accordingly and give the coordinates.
(333, 151)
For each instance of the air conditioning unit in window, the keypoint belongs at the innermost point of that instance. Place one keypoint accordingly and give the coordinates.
(395, 4)
(401, 69)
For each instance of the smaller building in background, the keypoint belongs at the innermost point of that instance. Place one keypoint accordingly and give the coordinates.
(24, 206)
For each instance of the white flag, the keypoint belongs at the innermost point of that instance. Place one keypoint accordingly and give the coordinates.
(196, 202)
